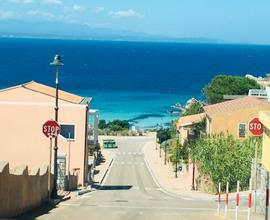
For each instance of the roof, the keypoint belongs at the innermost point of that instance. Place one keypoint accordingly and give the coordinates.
(236, 104)
(190, 119)
(50, 91)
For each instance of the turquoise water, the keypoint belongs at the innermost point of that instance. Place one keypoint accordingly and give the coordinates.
(144, 110)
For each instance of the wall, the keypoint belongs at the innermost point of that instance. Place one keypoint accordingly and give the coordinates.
(21, 189)
(229, 121)
(22, 140)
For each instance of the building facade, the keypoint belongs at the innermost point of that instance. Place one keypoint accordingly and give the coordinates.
(23, 111)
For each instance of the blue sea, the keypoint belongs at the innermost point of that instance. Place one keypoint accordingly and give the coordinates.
(135, 81)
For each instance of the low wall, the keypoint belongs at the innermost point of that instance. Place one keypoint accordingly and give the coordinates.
(21, 189)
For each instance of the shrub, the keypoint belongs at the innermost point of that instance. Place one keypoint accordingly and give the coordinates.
(163, 134)
(224, 158)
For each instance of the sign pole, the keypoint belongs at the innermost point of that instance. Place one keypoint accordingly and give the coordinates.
(255, 179)
(256, 129)
(267, 196)
(49, 173)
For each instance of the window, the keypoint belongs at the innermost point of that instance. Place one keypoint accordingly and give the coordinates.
(68, 131)
(242, 130)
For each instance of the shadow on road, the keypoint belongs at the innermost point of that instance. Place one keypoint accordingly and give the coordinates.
(113, 187)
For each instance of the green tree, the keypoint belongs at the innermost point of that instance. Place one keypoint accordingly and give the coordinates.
(102, 124)
(195, 107)
(228, 85)
(163, 134)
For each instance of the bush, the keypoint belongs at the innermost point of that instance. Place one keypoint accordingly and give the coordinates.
(115, 125)
(163, 134)
(228, 85)
(224, 158)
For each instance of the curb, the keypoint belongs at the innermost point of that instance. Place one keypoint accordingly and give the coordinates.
(102, 179)
(55, 202)
(182, 195)
(84, 191)
(171, 193)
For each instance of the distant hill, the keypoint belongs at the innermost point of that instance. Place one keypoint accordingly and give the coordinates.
(75, 31)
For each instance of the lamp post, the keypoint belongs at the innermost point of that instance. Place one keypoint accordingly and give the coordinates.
(56, 62)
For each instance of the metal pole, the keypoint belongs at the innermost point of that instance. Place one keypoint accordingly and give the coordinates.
(160, 150)
(49, 170)
(237, 200)
(249, 198)
(227, 199)
(165, 155)
(54, 191)
(68, 160)
(255, 179)
(219, 191)
(267, 196)
(193, 176)
(176, 161)
(156, 136)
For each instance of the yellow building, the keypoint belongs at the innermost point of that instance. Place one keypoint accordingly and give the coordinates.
(184, 126)
(23, 111)
(226, 117)
(234, 116)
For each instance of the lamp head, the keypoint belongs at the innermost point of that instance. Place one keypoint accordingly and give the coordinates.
(57, 61)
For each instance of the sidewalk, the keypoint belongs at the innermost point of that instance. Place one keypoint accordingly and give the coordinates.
(164, 176)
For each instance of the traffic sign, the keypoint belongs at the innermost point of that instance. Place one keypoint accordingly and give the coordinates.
(255, 127)
(51, 129)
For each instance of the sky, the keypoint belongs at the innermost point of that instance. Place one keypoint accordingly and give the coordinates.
(227, 20)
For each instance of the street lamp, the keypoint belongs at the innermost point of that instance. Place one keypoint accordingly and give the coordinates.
(56, 62)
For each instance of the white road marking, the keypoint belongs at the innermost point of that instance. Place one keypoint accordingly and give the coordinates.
(122, 163)
(70, 204)
(136, 188)
(147, 188)
(108, 172)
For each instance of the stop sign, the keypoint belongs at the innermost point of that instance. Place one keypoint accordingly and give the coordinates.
(51, 129)
(256, 127)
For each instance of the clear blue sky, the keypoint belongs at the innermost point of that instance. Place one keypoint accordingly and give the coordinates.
(229, 20)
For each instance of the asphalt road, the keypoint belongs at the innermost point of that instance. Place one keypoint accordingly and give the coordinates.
(129, 192)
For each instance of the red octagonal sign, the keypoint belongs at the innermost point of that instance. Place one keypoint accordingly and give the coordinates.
(51, 129)
(256, 127)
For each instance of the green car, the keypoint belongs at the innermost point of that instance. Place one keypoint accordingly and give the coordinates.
(109, 143)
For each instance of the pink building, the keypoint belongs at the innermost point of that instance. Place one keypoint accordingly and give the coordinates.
(23, 111)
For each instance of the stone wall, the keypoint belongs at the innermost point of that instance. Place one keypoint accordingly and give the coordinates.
(21, 189)
(261, 187)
